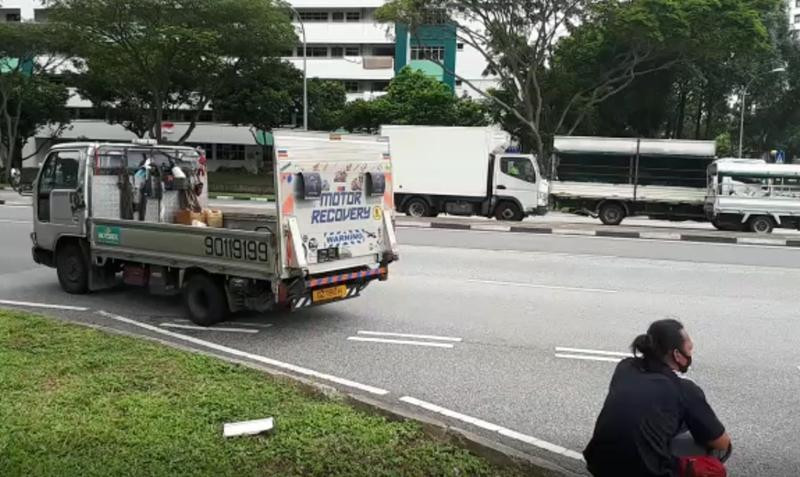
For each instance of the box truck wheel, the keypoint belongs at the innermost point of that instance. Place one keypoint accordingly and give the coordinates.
(204, 300)
(418, 207)
(509, 211)
(72, 269)
(761, 224)
(612, 213)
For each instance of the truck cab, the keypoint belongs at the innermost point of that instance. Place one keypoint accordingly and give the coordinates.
(517, 181)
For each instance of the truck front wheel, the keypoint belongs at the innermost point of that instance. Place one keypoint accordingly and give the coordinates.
(612, 213)
(761, 224)
(509, 211)
(418, 207)
(72, 269)
(204, 300)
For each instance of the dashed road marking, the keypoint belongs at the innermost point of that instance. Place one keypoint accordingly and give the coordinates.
(590, 354)
(400, 342)
(557, 449)
(43, 305)
(408, 335)
(243, 354)
(208, 328)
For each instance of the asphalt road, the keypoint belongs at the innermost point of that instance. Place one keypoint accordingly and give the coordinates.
(506, 302)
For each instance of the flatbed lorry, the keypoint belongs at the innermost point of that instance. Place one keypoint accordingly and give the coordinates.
(105, 209)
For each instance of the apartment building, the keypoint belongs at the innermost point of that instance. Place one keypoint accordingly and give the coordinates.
(343, 42)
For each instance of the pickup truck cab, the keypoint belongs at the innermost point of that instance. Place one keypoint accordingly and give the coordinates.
(105, 209)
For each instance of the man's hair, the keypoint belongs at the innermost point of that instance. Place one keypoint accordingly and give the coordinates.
(661, 338)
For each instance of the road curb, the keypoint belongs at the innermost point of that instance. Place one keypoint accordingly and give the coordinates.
(493, 451)
(576, 232)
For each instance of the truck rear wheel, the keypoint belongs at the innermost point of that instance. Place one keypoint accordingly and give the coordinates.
(204, 300)
(417, 207)
(761, 224)
(72, 269)
(509, 211)
(612, 213)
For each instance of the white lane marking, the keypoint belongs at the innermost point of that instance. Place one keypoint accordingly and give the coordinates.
(406, 335)
(250, 356)
(401, 342)
(42, 305)
(588, 358)
(582, 232)
(493, 427)
(208, 328)
(760, 241)
(547, 287)
(592, 351)
(18, 222)
(414, 225)
(490, 227)
(232, 323)
(660, 235)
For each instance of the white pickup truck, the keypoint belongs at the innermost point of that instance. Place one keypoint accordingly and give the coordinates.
(329, 235)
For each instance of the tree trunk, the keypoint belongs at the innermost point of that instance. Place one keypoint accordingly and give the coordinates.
(709, 119)
(698, 117)
(159, 111)
(681, 114)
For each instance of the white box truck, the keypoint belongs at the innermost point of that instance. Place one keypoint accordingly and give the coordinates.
(463, 171)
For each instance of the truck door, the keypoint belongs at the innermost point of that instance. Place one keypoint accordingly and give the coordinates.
(59, 206)
(516, 177)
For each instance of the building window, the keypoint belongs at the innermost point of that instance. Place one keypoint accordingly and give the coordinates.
(797, 3)
(207, 148)
(337, 52)
(434, 53)
(40, 15)
(380, 85)
(459, 82)
(460, 46)
(352, 51)
(230, 152)
(797, 19)
(351, 86)
(353, 16)
(383, 51)
(313, 16)
(337, 17)
(13, 17)
(313, 51)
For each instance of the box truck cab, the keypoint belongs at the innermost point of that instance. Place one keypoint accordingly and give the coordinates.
(463, 171)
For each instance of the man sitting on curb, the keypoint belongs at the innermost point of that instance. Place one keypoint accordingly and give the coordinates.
(649, 406)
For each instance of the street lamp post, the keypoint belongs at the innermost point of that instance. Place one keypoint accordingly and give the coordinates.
(305, 68)
(744, 99)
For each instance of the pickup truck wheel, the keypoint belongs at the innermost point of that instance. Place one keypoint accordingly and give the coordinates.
(204, 300)
(419, 208)
(612, 213)
(761, 224)
(509, 211)
(72, 269)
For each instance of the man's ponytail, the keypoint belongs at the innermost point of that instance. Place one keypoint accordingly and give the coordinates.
(662, 337)
(643, 346)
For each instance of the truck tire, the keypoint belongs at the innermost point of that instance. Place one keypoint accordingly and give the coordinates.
(761, 224)
(204, 300)
(612, 213)
(72, 269)
(508, 211)
(417, 207)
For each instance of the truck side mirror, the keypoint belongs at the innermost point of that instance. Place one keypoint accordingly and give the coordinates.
(309, 185)
(375, 184)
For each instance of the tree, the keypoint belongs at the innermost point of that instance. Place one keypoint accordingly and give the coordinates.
(414, 98)
(29, 97)
(326, 103)
(148, 56)
(557, 60)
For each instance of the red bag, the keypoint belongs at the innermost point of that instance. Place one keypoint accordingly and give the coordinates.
(701, 466)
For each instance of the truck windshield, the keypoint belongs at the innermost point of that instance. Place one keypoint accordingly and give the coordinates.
(519, 167)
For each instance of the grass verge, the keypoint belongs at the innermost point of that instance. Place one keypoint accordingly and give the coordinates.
(80, 402)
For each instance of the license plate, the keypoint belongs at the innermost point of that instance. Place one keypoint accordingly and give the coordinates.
(326, 294)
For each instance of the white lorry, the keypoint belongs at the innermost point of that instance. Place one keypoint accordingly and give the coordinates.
(614, 178)
(463, 171)
(105, 208)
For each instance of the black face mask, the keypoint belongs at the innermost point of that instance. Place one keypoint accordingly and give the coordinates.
(684, 368)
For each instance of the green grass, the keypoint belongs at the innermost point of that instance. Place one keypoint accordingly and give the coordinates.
(79, 402)
(240, 181)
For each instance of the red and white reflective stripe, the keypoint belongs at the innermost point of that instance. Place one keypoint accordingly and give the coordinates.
(344, 277)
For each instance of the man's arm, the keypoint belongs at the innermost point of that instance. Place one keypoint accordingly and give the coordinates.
(722, 442)
(701, 420)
